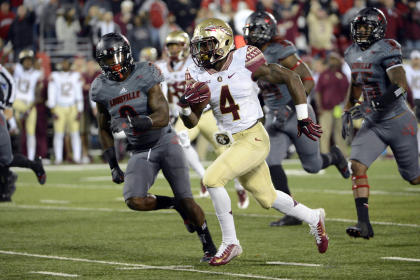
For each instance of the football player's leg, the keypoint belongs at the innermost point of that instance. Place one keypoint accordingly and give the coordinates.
(6, 158)
(243, 199)
(59, 126)
(75, 135)
(405, 147)
(175, 170)
(30, 134)
(365, 149)
(36, 165)
(326, 119)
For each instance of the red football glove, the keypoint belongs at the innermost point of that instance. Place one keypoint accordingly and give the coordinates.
(197, 92)
(309, 128)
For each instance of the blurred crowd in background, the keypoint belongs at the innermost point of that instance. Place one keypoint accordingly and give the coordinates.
(66, 32)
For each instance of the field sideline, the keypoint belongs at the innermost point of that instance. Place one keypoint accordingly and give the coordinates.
(77, 226)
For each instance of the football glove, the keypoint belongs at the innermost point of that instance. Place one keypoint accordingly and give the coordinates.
(197, 92)
(309, 128)
(117, 175)
(119, 124)
(140, 122)
(347, 124)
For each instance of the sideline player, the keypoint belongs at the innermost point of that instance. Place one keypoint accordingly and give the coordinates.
(65, 99)
(28, 85)
(225, 78)
(378, 74)
(129, 96)
(173, 69)
(7, 159)
(281, 123)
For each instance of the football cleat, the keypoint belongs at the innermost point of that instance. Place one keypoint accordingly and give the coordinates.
(39, 170)
(340, 162)
(243, 199)
(364, 230)
(225, 254)
(207, 256)
(286, 221)
(318, 230)
(203, 191)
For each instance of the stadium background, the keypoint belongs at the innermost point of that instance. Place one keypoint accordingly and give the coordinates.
(69, 29)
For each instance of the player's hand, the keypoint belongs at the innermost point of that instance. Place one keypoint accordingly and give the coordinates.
(54, 116)
(78, 116)
(140, 122)
(309, 128)
(196, 92)
(281, 117)
(347, 124)
(183, 103)
(119, 124)
(117, 175)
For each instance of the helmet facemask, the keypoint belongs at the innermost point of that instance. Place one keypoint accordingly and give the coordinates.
(206, 52)
(116, 64)
(368, 27)
(257, 34)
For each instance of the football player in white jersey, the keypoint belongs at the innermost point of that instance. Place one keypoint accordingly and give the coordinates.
(173, 69)
(28, 86)
(226, 79)
(412, 72)
(65, 99)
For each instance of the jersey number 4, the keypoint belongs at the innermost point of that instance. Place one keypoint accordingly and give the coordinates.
(227, 104)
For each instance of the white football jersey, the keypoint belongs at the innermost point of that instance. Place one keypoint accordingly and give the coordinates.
(8, 88)
(65, 89)
(174, 77)
(234, 95)
(26, 81)
(413, 79)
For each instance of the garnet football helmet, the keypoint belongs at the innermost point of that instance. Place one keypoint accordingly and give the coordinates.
(113, 54)
(259, 28)
(374, 24)
(212, 41)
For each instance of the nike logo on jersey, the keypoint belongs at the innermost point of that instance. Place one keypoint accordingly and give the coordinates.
(257, 139)
(359, 58)
(230, 76)
(123, 90)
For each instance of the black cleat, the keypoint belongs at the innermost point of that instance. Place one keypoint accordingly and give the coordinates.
(39, 170)
(360, 230)
(286, 221)
(208, 255)
(340, 162)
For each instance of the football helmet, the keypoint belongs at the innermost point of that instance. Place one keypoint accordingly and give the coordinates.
(259, 28)
(113, 54)
(148, 54)
(180, 38)
(26, 54)
(374, 24)
(212, 41)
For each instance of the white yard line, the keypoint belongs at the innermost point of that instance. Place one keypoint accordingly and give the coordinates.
(65, 208)
(401, 259)
(294, 263)
(54, 273)
(170, 268)
(50, 201)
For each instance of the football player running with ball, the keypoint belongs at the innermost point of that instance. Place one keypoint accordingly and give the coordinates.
(129, 98)
(378, 74)
(226, 79)
(281, 123)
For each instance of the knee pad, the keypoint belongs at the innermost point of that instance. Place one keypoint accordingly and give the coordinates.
(311, 164)
(265, 197)
(184, 138)
(212, 181)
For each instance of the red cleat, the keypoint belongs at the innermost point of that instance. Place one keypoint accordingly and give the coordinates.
(318, 230)
(243, 200)
(225, 254)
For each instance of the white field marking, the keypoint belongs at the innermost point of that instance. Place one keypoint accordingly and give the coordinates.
(54, 273)
(50, 201)
(120, 198)
(148, 267)
(65, 208)
(137, 265)
(412, 189)
(401, 259)
(294, 263)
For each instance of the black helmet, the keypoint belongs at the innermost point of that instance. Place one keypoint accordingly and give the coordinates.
(259, 28)
(113, 53)
(375, 26)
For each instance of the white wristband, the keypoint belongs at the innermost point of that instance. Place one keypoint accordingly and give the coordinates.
(12, 123)
(185, 111)
(301, 111)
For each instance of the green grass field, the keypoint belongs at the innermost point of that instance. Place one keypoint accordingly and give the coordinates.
(78, 226)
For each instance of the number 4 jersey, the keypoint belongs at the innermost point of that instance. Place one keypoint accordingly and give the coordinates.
(234, 94)
(130, 98)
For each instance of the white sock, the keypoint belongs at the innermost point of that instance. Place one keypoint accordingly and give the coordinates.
(58, 147)
(193, 160)
(222, 205)
(238, 186)
(287, 205)
(76, 146)
(31, 146)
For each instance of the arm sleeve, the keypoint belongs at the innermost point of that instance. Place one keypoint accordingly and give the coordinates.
(391, 54)
(254, 58)
(153, 75)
